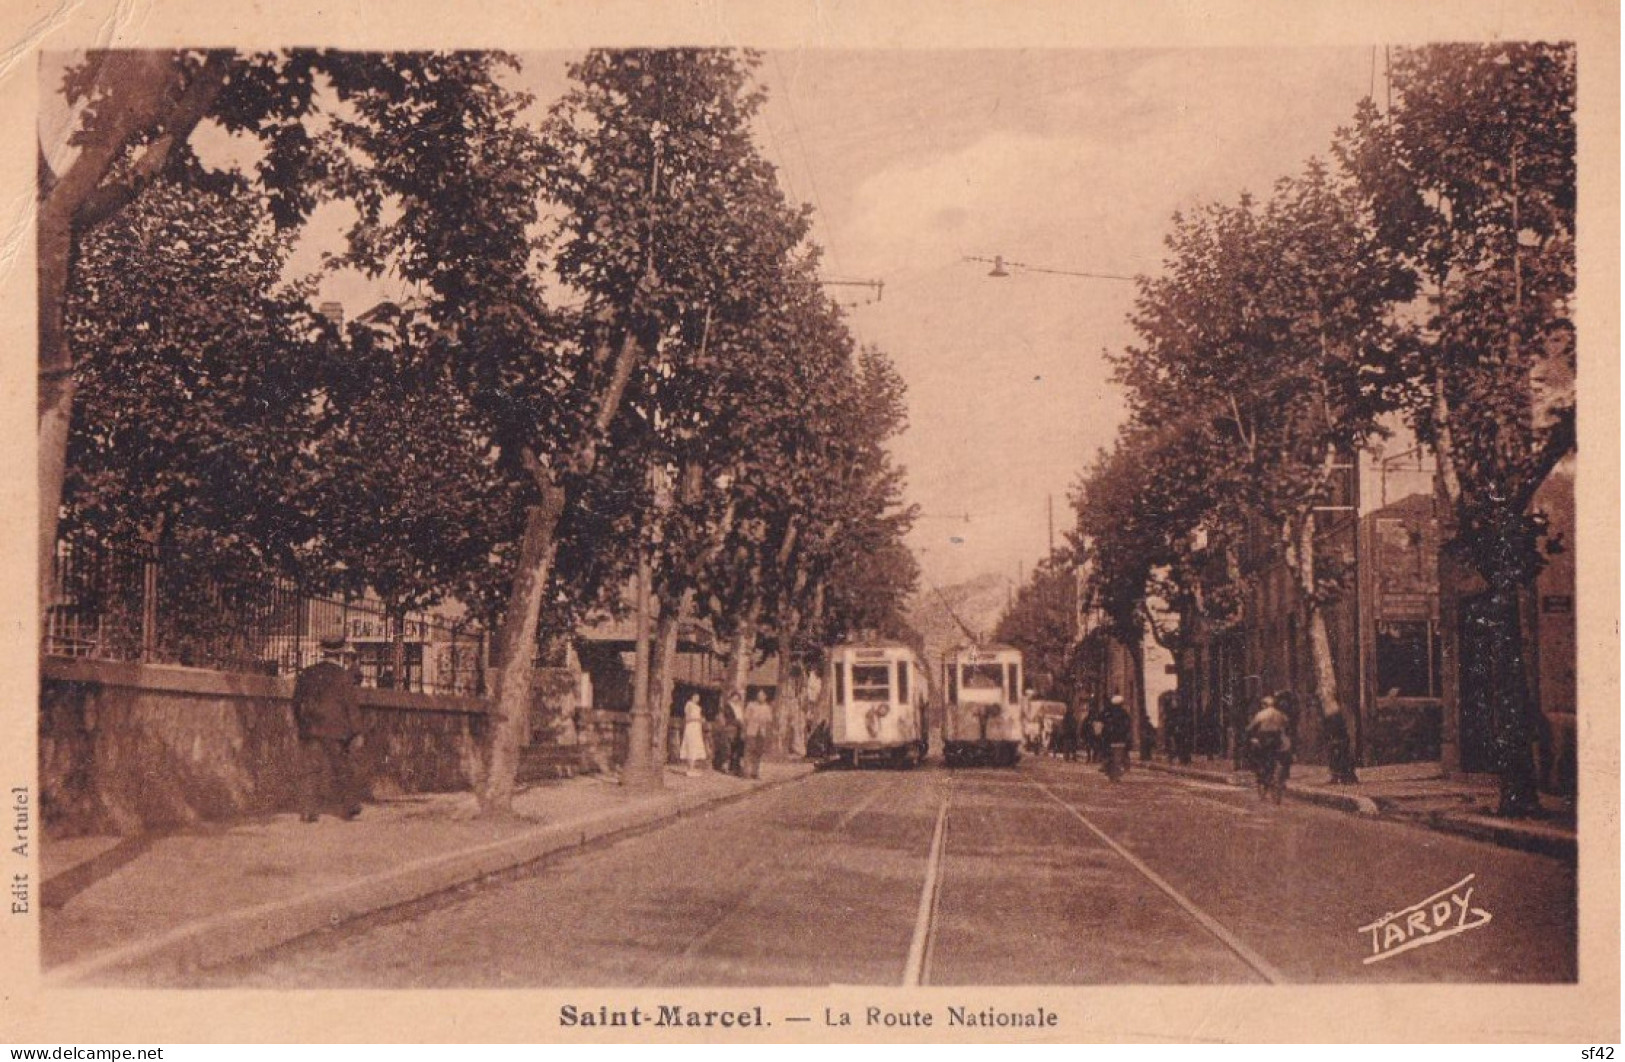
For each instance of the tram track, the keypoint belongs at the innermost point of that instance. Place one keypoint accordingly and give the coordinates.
(1255, 962)
(771, 875)
(929, 919)
(916, 969)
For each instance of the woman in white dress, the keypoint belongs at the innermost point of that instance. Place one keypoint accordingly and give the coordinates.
(693, 747)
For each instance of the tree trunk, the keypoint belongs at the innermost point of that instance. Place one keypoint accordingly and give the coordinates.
(789, 631)
(663, 664)
(1136, 656)
(743, 652)
(55, 414)
(786, 704)
(515, 646)
(142, 93)
(643, 767)
(1320, 645)
(1444, 443)
(515, 650)
(1516, 722)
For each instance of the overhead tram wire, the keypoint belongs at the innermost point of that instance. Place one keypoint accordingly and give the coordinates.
(806, 160)
(821, 218)
(1001, 266)
(961, 624)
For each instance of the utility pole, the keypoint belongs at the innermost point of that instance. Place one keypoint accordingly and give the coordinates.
(1052, 525)
(642, 770)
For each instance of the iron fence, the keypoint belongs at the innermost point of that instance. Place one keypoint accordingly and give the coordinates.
(124, 604)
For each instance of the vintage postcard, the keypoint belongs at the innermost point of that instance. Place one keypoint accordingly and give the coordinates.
(799, 522)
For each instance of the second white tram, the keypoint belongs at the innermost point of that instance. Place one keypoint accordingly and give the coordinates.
(982, 718)
(878, 700)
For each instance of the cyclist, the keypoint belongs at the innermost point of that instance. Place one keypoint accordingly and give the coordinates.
(1271, 747)
(1115, 732)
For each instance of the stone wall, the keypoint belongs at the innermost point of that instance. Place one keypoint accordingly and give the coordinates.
(130, 747)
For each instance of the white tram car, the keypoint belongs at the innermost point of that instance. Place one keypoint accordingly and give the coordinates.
(982, 718)
(879, 696)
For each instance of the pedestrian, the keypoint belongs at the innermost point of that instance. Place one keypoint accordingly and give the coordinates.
(819, 744)
(692, 749)
(731, 738)
(1069, 734)
(1116, 730)
(1090, 729)
(327, 713)
(1334, 725)
(1176, 722)
(758, 722)
(719, 739)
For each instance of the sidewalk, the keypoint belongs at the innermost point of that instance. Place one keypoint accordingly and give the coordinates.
(208, 895)
(1416, 793)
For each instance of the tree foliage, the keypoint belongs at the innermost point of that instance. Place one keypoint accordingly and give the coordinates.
(1471, 180)
(692, 399)
(1432, 275)
(1042, 622)
(196, 377)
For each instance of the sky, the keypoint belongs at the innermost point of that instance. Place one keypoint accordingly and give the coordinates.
(1069, 160)
(1063, 159)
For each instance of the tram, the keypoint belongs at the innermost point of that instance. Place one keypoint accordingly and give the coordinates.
(982, 720)
(878, 703)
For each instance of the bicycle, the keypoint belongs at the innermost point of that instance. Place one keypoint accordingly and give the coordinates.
(1116, 761)
(1273, 764)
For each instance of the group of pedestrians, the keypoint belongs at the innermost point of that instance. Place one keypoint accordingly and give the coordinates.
(1101, 734)
(736, 739)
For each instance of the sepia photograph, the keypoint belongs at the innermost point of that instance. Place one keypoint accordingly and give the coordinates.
(790, 536)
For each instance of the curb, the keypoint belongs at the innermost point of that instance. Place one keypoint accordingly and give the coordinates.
(1554, 843)
(239, 934)
(1349, 802)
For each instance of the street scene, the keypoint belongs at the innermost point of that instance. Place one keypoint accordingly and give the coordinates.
(1047, 875)
(700, 517)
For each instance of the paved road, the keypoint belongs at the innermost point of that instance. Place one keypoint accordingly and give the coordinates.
(1047, 874)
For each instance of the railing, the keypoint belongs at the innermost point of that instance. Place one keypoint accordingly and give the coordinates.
(124, 604)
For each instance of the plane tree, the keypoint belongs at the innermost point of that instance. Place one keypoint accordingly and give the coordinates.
(403, 494)
(296, 117)
(1470, 178)
(661, 207)
(1265, 337)
(195, 372)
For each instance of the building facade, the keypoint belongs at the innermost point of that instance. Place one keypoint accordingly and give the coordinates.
(1413, 667)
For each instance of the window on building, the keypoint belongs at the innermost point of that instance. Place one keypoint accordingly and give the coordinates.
(840, 683)
(1407, 659)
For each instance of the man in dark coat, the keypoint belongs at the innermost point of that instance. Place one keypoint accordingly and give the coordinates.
(1334, 729)
(1069, 734)
(328, 714)
(1117, 730)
